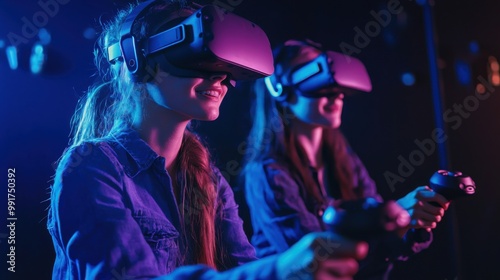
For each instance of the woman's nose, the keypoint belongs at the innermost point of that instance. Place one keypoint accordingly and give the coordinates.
(218, 77)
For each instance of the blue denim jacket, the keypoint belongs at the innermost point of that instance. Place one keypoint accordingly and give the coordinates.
(281, 215)
(113, 215)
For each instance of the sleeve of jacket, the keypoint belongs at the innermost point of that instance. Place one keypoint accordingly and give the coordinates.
(263, 269)
(95, 231)
(234, 245)
(278, 212)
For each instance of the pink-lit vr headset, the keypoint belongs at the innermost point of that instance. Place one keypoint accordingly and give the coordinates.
(211, 40)
(328, 70)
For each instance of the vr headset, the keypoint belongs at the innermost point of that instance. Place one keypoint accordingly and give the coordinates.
(211, 40)
(328, 70)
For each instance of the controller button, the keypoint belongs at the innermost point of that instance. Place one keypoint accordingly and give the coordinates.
(470, 189)
(443, 172)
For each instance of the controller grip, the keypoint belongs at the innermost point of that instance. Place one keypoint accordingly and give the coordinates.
(365, 218)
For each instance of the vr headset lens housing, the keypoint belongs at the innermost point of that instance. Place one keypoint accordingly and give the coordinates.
(330, 69)
(210, 40)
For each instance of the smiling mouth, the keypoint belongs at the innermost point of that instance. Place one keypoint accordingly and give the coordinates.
(211, 94)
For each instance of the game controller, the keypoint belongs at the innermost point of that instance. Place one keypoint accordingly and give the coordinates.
(452, 185)
(366, 218)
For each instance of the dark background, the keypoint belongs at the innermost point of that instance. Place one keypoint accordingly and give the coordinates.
(382, 126)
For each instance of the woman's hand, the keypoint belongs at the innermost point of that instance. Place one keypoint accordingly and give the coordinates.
(321, 255)
(423, 214)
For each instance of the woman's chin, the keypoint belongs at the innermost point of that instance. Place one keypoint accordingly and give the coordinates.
(210, 116)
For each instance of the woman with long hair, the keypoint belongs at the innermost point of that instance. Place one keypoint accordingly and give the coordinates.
(298, 162)
(136, 195)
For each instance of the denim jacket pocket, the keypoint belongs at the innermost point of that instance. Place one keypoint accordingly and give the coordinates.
(162, 237)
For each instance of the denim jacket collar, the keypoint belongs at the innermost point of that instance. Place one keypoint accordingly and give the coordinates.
(139, 151)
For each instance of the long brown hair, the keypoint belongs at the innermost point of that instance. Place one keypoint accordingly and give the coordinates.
(197, 198)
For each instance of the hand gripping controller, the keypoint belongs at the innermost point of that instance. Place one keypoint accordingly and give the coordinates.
(452, 185)
(365, 218)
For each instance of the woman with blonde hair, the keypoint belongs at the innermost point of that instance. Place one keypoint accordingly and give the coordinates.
(136, 194)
